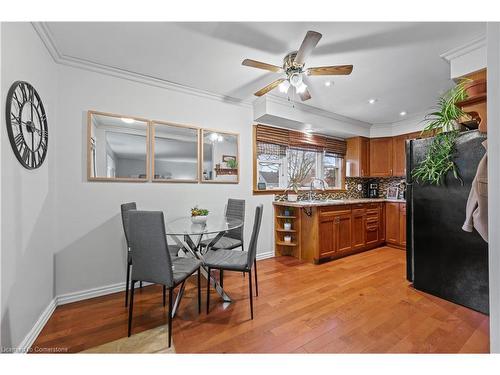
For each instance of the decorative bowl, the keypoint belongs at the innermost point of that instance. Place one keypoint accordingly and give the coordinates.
(199, 219)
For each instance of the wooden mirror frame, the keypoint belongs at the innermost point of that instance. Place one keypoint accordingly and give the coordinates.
(237, 135)
(153, 140)
(89, 150)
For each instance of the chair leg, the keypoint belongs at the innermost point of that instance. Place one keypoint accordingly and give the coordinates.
(208, 290)
(243, 249)
(164, 295)
(256, 283)
(170, 310)
(199, 291)
(251, 293)
(221, 277)
(131, 308)
(127, 284)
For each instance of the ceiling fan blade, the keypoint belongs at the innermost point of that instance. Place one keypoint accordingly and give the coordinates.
(305, 95)
(311, 39)
(261, 65)
(269, 87)
(337, 70)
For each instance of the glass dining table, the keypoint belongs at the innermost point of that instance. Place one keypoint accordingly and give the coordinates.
(189, 235)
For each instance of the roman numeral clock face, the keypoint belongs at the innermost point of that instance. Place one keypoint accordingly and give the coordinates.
(27, 125)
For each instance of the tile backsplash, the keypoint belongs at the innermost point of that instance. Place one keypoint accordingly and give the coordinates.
(352, 191)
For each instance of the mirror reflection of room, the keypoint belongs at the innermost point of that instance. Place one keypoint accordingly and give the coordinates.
(175, 153)
(220, 157)
(118, 147)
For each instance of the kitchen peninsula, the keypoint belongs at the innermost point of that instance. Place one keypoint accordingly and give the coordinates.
(322, 230)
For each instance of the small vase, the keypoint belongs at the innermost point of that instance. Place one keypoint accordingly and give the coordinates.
(199, 219)
(287, 238)
(287, 226)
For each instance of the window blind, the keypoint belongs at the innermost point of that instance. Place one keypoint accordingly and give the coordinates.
(294, 139)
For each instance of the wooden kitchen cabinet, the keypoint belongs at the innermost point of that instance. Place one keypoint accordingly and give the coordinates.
(358, 157)
(381, 157)
(392, 223)
(402, 224)
(399, 155)
(395, 224)
(327, 236)
(343, 232)
(358, 234)
(334, 231)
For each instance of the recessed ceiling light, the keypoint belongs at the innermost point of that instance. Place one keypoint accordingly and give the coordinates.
(403, 113)
(372, 101)
(328, 83)
(128, 120)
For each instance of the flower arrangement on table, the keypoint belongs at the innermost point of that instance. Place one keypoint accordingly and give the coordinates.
(199, 215)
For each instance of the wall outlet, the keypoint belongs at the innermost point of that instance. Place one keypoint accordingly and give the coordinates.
(360, 187)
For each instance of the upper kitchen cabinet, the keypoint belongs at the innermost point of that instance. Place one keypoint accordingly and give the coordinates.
(381, 157)
(358, 157)
(399, 155)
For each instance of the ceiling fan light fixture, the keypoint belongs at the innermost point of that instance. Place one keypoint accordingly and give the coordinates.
(296, 80)
(301, 88)
(284, 86)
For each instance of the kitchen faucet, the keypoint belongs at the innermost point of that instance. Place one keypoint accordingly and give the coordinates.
(323, 186)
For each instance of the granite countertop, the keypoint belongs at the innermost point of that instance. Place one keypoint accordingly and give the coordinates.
(333, 202)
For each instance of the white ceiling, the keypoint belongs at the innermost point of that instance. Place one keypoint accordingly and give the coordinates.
(396, 63)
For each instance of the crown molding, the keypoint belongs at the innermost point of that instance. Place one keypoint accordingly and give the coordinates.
(464, 49)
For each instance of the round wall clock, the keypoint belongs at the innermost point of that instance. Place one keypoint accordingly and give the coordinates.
(27, 125)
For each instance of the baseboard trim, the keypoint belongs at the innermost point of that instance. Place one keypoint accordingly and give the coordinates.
(64, 299)
(37, 328)
(89, 293)
(267, 255)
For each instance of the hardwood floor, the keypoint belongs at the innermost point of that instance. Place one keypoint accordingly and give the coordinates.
(358, 304)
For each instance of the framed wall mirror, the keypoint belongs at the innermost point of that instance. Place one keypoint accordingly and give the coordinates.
(220, 157)
(175, 153)
(117, 147)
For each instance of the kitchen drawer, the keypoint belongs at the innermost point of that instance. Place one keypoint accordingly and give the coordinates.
(372, 205)
(358, 205)
(372, 212)
(358, 211)
(344, 208)
(372, 234)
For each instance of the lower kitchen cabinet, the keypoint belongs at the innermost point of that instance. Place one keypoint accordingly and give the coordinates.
(358, 233)
(402, 224)
(329, 232)
(395, 224)
(334, 231)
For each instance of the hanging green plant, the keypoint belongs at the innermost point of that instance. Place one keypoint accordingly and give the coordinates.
(443, 123)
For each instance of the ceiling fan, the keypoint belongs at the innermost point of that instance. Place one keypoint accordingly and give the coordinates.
(293, 67)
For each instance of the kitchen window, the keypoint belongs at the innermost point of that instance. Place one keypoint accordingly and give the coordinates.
(281, 164)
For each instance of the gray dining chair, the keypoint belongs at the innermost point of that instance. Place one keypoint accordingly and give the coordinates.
(152, 262)
(125, 208)
(174, 250)
(233, 239)
(241, 261)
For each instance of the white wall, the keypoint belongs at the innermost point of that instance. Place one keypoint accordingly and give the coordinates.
(90, 245)
(494, 181)
(27, 197)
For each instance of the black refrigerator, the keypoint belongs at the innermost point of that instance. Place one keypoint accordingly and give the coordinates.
(442, 259)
